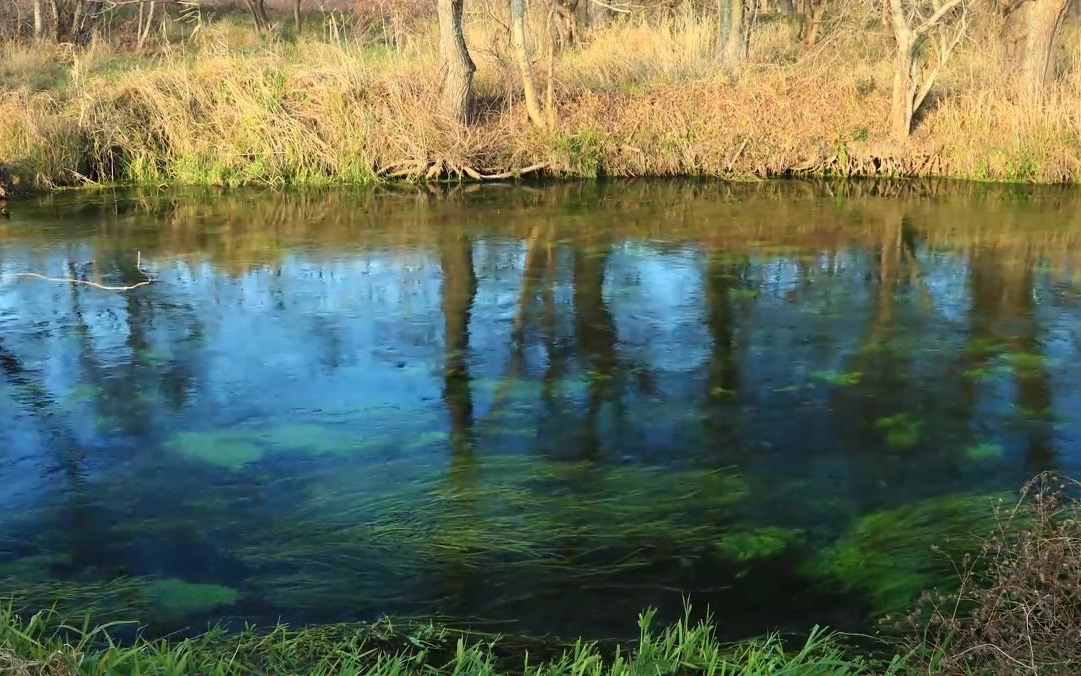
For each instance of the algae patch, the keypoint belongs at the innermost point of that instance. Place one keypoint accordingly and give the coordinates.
(173, 595)
(761, 543)
(224, 449)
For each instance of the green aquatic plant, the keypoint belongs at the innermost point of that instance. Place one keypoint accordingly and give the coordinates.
(82, 394)
(760, 543)
(505, 515)
(35, 567)
(182, 597)
(743, 293)
(837, 378)
(901, 430)
(231, 450)
(1027, 364)
(893, 556)
(980, 373)
(310, 439)
(984, 451)
(105, 600)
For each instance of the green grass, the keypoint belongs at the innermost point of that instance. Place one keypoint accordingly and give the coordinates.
(44, 644)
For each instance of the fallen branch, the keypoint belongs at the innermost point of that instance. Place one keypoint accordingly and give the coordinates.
(514, 172)
(71, 280)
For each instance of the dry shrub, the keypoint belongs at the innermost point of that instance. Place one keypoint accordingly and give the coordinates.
(392, 21)
(1018, 609)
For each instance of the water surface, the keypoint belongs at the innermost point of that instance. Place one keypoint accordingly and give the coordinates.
(527, 409)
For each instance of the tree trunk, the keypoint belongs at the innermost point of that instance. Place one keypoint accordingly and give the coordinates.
(1030, 32)
(812, 11)
(521, 52)
(456, 98)
(257, 8)
(904, 85)
(58, 31)
(145, 29)
(298, 20)
(39, 21)
(731, 43)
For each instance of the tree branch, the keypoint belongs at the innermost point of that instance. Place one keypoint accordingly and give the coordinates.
(936, 17)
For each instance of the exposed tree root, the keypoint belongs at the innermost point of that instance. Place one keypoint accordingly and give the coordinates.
(430, 170)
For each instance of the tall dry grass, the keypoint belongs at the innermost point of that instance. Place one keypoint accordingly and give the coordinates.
(642, 95)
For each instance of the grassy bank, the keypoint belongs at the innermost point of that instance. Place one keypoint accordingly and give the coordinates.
(1014, 607)
(40, 645)
(639, 96)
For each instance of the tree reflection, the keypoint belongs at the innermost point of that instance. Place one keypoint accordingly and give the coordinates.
(595, 333)
(459, 290)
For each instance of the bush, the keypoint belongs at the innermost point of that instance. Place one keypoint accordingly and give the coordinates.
(1018, 608)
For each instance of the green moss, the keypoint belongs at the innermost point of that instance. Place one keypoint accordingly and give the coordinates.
(893, 556)
(761, 543)
(182, 597)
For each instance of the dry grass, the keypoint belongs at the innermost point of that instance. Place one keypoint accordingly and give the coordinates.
(641, 96)
(1017, 608)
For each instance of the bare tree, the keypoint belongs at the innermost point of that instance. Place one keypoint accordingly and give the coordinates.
(298, 19)
(39, 21)
(811, 12)
(147, 8)
(456, 98)
(945, 22)
(731, 40)
(259, 16)
(521, 53)
(565, 14)
(1032, 26)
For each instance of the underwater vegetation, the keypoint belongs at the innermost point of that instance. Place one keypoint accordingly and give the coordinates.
(838, 378)
(757, 544)
(154, 600)
(892, 556)
(506, 515)
(232, 449)
(901, 430)
(984, 451)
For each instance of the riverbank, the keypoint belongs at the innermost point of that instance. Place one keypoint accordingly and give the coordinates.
(37, 646)
(638, 98)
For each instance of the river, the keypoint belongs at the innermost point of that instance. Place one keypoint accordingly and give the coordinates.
(527, 408)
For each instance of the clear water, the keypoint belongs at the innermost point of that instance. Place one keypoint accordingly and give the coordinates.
(530, 409)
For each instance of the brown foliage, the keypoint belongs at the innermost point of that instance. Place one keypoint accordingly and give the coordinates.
(1018, 609)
